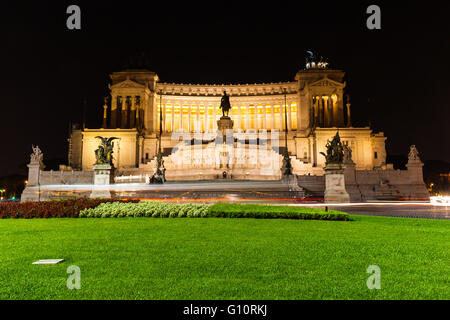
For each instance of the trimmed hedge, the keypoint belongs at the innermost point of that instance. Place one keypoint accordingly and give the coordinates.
(231, 210)
(68, 208)
(219, 210)
(145, 209)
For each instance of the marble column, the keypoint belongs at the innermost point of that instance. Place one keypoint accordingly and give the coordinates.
(163, 110)
(206, 117)
(247, 117)
(281, 118)
(321, 111)
(138, 119)
(149, 112)
(316, 111)
(133, 112)
(173, 117)
(198, 125)
(349, 118)
(264, 117)
(113, 120)
(189, 118)
(239, 117)
(215, 118)
(181, 117)
(272, 109)
(330, 111)
(105, 116)
(340, 110)
(289, 116)
(326, 120)
(124, 120)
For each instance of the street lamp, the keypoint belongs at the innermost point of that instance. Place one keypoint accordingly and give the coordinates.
(286, 168)
(159, 176)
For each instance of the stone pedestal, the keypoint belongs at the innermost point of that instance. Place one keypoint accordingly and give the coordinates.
(224, 124)
(32, 190)
(417, 188)
(335, 184)
(103, 177)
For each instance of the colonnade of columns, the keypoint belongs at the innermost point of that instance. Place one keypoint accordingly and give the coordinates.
(126, 112)
(203, 117)
(325, 111)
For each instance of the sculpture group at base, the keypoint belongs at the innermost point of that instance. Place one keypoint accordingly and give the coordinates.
(334, 172)
(103, 167)
(103, 154)
(158, 176)
(335, 151)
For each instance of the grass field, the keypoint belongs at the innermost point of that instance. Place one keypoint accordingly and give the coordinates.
(219, 258)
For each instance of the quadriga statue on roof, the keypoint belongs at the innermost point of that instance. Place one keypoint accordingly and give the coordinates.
(335, 151)
(104, 152)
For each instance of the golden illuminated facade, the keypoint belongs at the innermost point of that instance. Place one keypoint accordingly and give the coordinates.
(315, 109)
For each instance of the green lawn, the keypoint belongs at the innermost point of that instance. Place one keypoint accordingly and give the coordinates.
(220, 258)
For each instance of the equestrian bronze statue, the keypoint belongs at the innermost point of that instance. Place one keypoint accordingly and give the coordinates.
(225, 104)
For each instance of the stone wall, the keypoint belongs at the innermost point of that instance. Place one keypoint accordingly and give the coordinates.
(38, 180)
(367, 185)
(363, 185)
(66, 177)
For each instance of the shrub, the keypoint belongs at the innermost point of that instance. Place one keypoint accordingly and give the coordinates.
(274, 212)
(169, 210)
(68, 208)
(143, 209)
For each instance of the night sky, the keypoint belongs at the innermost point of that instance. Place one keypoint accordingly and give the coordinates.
(398, 77)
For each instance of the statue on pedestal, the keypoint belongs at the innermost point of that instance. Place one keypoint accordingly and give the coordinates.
(225, 123)
(335, 151)
(37, 155)
(413, 154)
(103, 168)
(104, 152)
(334, 171)
(159, 172)
(348, 159)
(225, 104)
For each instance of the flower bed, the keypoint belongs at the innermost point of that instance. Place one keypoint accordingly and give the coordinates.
(68, 208)
(222, 210)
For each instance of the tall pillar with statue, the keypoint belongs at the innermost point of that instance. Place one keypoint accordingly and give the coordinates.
(225, 129)
(103, 168)
(334, 172)
(417, 188)
(32, 190)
